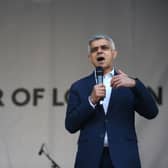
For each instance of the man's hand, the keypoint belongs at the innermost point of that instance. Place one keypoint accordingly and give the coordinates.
(98, 92)
(122, 79)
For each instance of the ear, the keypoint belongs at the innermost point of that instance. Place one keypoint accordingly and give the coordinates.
(89, 56)
(115, 53)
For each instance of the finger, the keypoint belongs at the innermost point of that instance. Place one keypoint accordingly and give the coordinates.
(101, 94)
(115, 83)
(114, 80)
(119, 76)
(100, 86)
(101, 89)
(119, 85)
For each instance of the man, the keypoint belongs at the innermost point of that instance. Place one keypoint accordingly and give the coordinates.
(105, 113)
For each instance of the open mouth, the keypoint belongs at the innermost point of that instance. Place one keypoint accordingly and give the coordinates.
(100, 59)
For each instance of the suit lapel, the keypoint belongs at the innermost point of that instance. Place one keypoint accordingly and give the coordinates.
(91, 82)
(112, 98)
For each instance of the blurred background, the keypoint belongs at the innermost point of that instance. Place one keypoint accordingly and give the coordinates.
(43, 49)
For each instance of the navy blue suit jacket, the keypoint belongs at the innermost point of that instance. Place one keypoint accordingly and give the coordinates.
(118, 122)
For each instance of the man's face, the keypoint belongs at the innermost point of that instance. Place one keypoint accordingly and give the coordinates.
(101, 54)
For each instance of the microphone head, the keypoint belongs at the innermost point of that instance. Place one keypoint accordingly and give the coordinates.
(99, 71)
(99, 75)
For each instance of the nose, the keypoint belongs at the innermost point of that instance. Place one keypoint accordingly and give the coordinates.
(99, 50)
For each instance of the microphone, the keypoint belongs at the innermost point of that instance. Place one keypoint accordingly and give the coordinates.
(99, 75)
(41, 149)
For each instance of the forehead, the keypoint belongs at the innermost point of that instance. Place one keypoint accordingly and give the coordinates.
(99, 42)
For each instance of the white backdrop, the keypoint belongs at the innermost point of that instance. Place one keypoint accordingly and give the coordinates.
(43, 49)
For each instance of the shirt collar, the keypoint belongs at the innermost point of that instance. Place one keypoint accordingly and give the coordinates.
(110, 74)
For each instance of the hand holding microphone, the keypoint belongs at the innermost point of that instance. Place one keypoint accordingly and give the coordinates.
(99, 90)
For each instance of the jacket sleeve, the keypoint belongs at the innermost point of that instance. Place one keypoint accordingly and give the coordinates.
(79, 111)
(144, 104)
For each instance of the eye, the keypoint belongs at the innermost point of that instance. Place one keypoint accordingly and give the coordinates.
(94, 49)
(105, 47)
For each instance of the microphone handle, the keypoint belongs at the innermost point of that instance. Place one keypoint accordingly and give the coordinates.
(100, 81)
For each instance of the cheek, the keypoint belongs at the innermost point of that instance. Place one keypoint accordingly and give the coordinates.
(110, 59)
(93, 60)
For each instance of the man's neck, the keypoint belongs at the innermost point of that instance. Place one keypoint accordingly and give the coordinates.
(107, 71)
